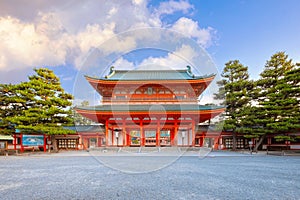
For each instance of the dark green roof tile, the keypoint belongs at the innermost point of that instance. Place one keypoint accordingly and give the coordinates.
(132, 75)
(85, 128)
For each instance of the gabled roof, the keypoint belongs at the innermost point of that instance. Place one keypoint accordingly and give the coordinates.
(132, 75)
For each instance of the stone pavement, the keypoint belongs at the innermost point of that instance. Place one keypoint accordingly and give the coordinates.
(84, 175)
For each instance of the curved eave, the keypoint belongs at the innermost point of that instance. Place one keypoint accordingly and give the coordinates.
(184, 112)
(102, 81)
(98, 114)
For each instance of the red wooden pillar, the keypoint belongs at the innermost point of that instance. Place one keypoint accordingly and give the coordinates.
(21, 143)
(15, 142)
(158, 132)
(171, 137)
(201, 140)
(106, 132)
(215, 145)
(85, 143)
(128, 138)
(45, 143)
(175, 132)
(193, 133)
(142, 137)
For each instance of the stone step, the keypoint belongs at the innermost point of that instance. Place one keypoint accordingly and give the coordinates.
(148, 149)
(131, 149)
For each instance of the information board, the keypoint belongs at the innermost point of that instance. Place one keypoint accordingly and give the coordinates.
(33, 140)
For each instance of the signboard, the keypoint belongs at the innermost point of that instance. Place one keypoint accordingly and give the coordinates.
(33, 140)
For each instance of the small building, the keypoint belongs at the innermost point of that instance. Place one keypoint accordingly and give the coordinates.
(5, 140)
(86, 137)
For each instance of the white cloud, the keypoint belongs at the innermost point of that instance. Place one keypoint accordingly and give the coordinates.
(93, 36)
(56, 33)
(123, 44)
(137, 2)
(182, 56)
(26, 45)
(112, 12)
(122, 63)
(169, 7)
(178, 59)
(191, 28)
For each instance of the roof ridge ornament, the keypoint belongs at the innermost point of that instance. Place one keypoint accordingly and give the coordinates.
(111, 72)
(189, 71)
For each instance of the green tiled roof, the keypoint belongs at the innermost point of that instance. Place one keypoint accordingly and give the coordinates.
(85, 128)
(154, 107)
(131, 75)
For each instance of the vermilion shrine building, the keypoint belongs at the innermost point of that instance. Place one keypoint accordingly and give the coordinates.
(150, 108)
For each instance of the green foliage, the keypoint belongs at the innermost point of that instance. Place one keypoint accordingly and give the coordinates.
(269, 105)
(277, 94)
(12, 102)
(284, 138)
(39, 105)
(276, 97)
(233, 88)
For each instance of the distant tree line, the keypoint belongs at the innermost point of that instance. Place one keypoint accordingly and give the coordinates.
(267, 106)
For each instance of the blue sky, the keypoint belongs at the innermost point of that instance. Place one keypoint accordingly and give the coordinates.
(252, 31)
(61, 35)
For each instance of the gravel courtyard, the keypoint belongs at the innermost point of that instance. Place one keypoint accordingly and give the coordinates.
(82, 175)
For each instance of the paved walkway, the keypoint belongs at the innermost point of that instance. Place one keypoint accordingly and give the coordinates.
(200, 153)
(203, 152)
(84, 175)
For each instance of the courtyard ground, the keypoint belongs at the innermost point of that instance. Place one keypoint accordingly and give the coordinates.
(98, 175)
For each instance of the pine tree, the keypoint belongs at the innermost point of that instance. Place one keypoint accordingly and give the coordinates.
(290, 105)
(44, 104)
(13, 101)
(233, 89)
(276, 103)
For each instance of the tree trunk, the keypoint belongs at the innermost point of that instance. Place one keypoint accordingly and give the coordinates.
(234, 141)
(261, 139)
